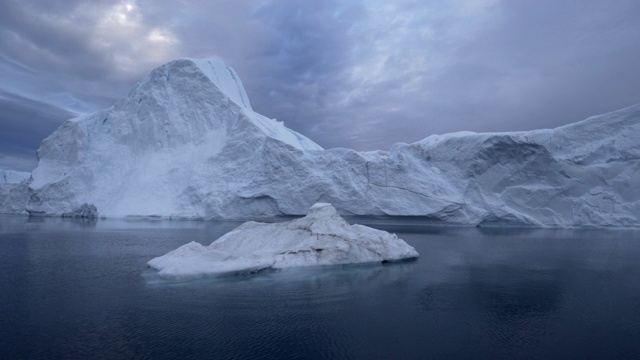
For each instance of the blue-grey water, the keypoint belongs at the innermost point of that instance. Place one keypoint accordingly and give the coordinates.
(78, 290)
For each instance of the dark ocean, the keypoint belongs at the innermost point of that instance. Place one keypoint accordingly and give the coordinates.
(81, 290)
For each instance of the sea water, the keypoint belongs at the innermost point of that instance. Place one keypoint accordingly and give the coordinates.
(77, 289)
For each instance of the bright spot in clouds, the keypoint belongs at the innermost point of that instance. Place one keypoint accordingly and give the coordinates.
(134, 45)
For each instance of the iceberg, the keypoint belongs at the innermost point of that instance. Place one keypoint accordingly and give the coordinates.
(178, 130)
(186, 143)
(320, 238)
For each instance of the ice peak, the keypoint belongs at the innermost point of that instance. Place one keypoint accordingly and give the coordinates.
(322, 218)
(224, 77)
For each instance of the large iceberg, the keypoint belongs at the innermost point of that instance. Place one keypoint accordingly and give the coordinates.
(186, 143)
(320, 238)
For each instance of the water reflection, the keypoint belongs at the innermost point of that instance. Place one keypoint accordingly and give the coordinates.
(21, 223)
(349, 276)
(290, 313)
(46, 223)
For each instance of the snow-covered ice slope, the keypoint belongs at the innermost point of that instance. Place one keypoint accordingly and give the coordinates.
(186, 143)
(320, 238)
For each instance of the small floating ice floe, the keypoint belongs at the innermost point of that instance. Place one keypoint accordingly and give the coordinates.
(320, 238)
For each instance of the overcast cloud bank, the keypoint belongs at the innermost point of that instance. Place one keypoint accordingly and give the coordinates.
(362, 75)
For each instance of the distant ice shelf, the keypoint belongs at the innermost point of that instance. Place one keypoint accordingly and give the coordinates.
(320, 238)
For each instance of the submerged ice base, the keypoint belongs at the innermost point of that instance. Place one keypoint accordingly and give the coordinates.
(320, 238)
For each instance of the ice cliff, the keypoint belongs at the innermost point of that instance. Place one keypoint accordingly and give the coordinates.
(186, 143)
(320, 238)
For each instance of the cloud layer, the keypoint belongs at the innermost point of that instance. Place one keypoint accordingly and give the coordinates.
(360, 74)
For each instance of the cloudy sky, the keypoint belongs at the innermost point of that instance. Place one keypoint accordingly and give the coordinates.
(359, 74)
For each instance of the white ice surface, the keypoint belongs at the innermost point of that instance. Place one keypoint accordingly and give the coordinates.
(320, 238)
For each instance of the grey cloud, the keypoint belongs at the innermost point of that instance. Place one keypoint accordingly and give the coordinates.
(546, 64)
(360, 74)
(39, 36)
(535, 65)
(306, 61)
(56, 39)
(19, 138)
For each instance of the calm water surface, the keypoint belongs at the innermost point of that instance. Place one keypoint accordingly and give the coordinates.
(80, 290)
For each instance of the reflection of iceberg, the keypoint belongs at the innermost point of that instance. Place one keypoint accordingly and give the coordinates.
(19, 224)
(320, 238)
(312, 278)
